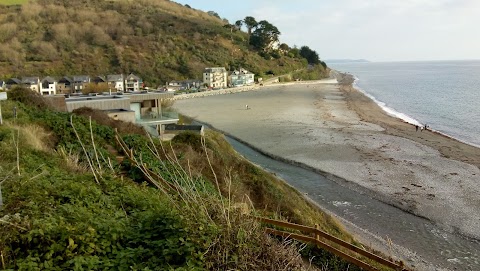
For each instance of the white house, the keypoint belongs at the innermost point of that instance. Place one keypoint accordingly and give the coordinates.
(241, 77)
(32, 82)
(215, 77)
(48, 86)
(116, 81)
(133, 83)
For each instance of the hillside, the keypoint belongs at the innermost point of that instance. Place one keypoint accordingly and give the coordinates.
(157, 39)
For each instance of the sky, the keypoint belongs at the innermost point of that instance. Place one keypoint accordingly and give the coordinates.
(377, 30)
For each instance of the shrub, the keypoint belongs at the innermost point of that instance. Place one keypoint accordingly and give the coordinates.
(28, 97)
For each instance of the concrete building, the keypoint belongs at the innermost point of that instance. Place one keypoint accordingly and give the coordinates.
(143, 108)
(241, 77)
(215, 77)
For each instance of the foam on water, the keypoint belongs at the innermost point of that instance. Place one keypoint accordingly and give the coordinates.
(442, 94)
(390, 111)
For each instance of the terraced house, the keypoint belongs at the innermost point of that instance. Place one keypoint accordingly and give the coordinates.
(241, 77)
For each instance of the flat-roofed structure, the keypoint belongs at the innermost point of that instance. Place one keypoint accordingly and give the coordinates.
(141, 107)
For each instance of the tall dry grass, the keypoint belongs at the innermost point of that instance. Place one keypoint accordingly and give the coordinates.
(240, 242)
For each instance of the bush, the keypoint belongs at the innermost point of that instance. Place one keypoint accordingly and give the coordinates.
(28, 97)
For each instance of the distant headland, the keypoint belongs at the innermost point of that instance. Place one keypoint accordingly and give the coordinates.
(347, 61)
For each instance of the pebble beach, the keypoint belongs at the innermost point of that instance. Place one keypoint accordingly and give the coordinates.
(338, 131)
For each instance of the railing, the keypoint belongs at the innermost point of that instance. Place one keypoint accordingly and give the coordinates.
(321, 243)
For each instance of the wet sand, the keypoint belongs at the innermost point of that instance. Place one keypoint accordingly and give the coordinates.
(340, 132)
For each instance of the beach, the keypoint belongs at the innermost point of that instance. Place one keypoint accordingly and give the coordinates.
(339, 132)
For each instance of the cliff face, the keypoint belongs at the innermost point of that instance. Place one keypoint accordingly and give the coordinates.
(158, 40)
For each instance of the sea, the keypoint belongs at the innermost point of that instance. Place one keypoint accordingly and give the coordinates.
(445, 95)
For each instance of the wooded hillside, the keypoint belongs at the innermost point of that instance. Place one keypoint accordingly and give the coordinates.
(157, 39)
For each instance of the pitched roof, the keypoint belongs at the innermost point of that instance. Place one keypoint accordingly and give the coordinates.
(99, 79)
(81, 78)
(30, 80)
(13, 81)
(65, 79)
(132, 77)
(48, 79)
(241, 71)
(115, 77)
(215, 69)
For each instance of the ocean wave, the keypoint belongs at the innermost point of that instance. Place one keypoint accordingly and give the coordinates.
(389, 110)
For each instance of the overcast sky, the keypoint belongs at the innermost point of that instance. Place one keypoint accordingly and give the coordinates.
(377, 30)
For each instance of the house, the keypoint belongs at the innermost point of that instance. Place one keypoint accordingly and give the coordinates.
(64, 85)
(80, 82)
(116, 81)
(32, 82)
(98, 80)
(133, 83)
(184, 84)
(241, 77)
(10, 83)
(215, 77)
(48, 86)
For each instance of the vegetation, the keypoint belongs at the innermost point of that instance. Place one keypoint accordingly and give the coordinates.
(157, 40)
(69, 204)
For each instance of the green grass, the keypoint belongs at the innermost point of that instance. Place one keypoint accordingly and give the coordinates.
(13, 2)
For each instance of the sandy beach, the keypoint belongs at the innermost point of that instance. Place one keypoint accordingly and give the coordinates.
(342, 133)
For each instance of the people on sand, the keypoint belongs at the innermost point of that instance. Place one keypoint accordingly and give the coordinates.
(246, 107)
(416, 128)
(426, 127)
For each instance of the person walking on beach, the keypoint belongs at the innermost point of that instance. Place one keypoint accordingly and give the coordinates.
(426, 126)
(416, 128)
(246, 107)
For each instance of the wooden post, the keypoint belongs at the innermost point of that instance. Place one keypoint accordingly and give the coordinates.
(1, 119)
(317, 236)
(1, 200)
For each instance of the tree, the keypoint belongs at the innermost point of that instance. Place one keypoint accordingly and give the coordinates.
(213, 13)
(310, 55)
(284, 47)
(239, 24)
(264, 36)
(230, 26)
(250, 23)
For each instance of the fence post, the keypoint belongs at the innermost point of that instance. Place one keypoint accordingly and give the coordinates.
(317, 236)
(1, 200)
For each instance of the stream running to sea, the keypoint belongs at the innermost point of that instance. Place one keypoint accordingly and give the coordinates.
(443, 249)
